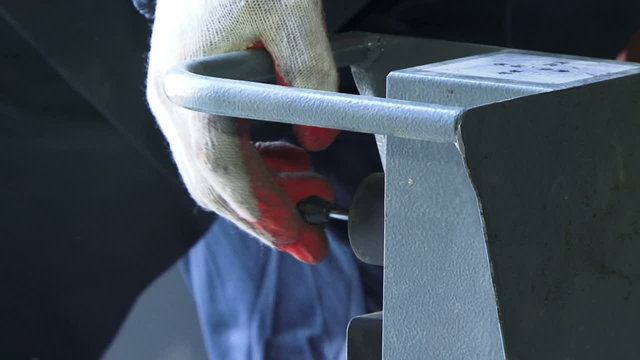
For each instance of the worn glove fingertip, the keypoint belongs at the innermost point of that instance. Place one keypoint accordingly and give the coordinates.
(312, 247)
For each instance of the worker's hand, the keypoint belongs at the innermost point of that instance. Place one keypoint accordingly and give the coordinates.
(254, 185)
(631, 52)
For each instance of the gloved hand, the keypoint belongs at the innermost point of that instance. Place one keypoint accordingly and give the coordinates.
(631, 52)
(255, 185)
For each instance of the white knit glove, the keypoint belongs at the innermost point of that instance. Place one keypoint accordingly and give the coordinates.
(254, 185)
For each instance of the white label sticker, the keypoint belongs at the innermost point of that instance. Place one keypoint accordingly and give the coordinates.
(529, 68)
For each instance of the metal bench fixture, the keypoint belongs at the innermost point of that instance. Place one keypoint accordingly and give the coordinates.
(512, 189)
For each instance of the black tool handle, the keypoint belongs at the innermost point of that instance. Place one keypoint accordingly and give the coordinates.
(318, 211)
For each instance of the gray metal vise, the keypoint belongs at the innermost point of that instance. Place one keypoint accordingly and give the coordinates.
(512, 190)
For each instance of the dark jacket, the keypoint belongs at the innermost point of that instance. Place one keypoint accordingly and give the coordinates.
(91, 208)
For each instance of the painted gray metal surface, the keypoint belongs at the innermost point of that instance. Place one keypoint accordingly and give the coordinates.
(366, 220)
(558, 223)
(388, 53)
(439, 301)
(437, 270)
(533, 176)
(561, 210)
(364, 337)
(191, 85)
(292, 105)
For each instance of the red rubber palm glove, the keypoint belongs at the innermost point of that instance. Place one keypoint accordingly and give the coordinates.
(290, 169)
(257, 187)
